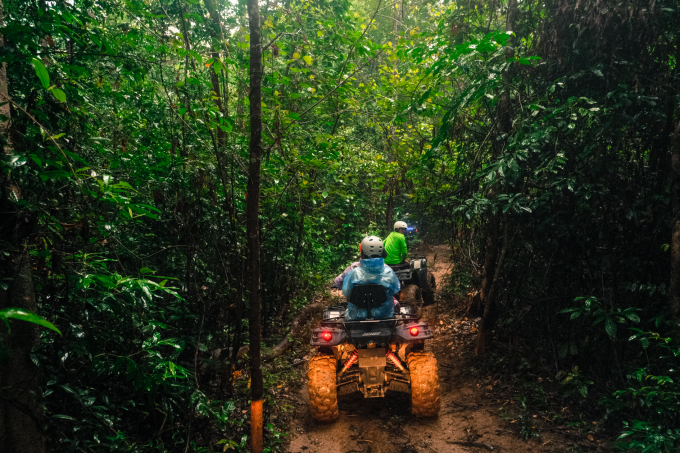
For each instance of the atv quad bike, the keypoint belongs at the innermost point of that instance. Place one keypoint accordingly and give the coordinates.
(417, 285)
(371, 356)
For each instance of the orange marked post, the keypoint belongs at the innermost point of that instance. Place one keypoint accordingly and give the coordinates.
(256, 427)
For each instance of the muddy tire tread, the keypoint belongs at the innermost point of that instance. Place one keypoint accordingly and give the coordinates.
(425, 392)
(323, 393)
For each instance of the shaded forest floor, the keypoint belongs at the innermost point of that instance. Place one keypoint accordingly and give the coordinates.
(482, 407)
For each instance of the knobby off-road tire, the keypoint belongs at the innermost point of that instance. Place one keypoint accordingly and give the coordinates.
(424, 384)
(428, 290)
(411, 296)
(323, 394)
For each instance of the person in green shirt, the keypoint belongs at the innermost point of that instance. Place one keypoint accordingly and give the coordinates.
(395, 244)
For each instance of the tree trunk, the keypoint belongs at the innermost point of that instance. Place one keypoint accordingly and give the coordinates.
(221, 136)
(6, 111)
(252, 226)
(398, 20)
(675, 236)
(389, 210)
(4, 93)
(489, 315)
(491, 260)
(20, 413)
(20, 430)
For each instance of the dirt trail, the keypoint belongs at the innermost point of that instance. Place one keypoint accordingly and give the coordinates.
(468, 422)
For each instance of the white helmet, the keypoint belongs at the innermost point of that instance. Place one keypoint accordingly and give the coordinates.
(400, 224)
(372, 247)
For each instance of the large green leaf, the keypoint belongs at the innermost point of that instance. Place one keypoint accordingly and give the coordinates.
(23, 315)
(60, 95)
(610, 327)
(41, 72)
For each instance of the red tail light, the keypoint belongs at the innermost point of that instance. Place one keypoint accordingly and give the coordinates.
(414, 331)
(327, 336)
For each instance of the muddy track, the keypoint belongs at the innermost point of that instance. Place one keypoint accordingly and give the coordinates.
(469, 420)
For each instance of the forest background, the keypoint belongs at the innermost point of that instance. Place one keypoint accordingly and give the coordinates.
(540, 140)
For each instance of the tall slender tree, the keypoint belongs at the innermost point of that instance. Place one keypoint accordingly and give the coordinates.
(252, 225)
(492, 261)
(675, 239)
(4, 93)
(20, 415)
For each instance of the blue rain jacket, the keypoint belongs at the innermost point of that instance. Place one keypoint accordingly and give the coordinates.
(372, 270)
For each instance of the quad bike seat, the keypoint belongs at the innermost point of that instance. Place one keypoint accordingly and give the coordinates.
(370, 296)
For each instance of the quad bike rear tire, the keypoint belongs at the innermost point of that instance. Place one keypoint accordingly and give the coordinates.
(323, 393)
(425, 401)
(428, 290)
(411, 296)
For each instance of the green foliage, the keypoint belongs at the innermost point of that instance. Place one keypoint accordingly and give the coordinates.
(574, 383)
(526, 422)
(611, 316)
(131, 174)
(23, 315)
(652, 393)
(579, 176)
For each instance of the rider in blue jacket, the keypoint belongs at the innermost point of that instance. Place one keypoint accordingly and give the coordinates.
(372, 269)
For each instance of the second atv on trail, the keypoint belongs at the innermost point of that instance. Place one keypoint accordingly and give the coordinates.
(417, 284)
(371, 356)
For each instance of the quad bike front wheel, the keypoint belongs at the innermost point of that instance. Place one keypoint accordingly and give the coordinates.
(323, 394)
(424, 384)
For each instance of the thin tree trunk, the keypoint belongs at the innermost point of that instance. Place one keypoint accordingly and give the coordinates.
(252, 226)
(4, 93)
(20, 413)
(20, 430)
(398, 19)
(489, 314)
(675, 236)
(490, 253)
(218, 39)
(389, 210)
(6, 110)
(290, 281)
(491, 260)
